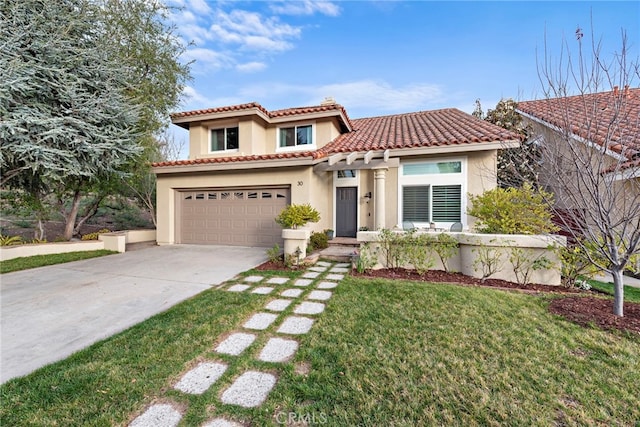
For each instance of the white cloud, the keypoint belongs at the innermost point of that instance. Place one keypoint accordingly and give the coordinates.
(380, 95)
(208, 59)
(200, 6)
(306, 7)
(192, 98)
(251, 67)
(252, 31)
(360, 98)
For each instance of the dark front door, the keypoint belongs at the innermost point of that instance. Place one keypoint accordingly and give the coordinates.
(346, 211)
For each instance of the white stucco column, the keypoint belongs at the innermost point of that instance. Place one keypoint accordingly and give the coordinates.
(379, 203)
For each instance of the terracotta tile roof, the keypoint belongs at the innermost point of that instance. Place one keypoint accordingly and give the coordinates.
(232, 159)
(272, 114)
(239, 107)
(611, 118)
(447, 127)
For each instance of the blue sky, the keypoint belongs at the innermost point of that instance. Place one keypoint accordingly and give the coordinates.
(385, 57)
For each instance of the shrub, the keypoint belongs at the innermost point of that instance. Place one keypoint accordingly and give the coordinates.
(10, 240)
(525, 263)
(445, 247)
(366, 259)
(95, 234)
(274, 254)
(318, 241)
(392, 246)
(521, 210)
(419, 251)
(487, 260)
(294, 216)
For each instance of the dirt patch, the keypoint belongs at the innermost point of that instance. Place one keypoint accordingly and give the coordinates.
(589, 311)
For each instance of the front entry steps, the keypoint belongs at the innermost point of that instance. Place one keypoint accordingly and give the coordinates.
(340, 249)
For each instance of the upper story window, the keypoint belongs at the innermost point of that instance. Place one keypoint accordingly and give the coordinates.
(296, 136)
(224, 139)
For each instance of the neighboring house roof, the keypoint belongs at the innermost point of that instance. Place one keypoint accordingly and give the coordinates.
(439, 128)
(605, 118)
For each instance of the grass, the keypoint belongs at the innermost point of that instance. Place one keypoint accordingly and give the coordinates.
(383, 353)
(24, 263)
(631, 294)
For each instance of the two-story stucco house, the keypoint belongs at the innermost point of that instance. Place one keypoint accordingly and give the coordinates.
(247, 163)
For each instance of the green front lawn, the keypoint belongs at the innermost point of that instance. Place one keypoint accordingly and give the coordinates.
(383, 353)
(24, 263)
(631, 294)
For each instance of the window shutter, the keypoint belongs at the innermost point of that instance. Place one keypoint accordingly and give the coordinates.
(415, 204)
(447, 203)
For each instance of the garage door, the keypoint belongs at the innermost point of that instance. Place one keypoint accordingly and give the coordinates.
(237, 217)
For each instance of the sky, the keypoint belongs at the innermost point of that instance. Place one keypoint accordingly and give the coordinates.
(386, 57)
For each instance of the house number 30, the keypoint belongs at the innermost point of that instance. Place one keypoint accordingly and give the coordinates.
(300, 183)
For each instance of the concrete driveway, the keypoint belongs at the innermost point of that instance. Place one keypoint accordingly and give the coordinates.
(51, 312)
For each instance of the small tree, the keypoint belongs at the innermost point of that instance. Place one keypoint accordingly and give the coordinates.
(588, 159)
(512, 211)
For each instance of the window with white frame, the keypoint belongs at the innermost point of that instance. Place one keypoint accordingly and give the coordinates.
(295, 136)
(224, 139)
(432, 192)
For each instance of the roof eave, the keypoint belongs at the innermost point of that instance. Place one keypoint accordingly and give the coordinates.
(461, 148)
(185, 121)
(236, 165)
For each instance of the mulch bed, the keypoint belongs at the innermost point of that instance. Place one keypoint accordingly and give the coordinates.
(579, 306)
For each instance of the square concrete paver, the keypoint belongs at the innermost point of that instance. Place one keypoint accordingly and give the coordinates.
(249, 389)
(302, 282)
(319, 269)
(339, 270)
(278, 280)
(200, 378)
(319, 295)
(238, 288)
(160, 415)
(262, 290)
(311, 275)
(235, 343)
(334, 276)
(323, 264)
(308, 307)
(342, 264)
(278, 304)
(291, 293)
(221, 422)
(260, 321)
(278, 350)
(327, 285)
(253, 279)
(295, 325)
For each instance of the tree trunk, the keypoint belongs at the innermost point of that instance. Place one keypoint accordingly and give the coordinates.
(39, 231)
(618, 292)
(70, 217)
(90, 211)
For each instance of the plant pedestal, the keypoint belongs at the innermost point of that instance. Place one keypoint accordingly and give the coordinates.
(295, 240)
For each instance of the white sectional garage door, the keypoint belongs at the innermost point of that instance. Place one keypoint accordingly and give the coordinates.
(236, 217)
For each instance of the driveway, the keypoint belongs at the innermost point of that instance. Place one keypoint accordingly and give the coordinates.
(49, 313)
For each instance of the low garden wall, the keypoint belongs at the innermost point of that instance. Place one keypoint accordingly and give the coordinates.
(534, 255)
(115, 241)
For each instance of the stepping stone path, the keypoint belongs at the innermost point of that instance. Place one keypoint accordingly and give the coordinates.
(251, 388)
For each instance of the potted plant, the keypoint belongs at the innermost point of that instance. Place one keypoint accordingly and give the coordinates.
(294, 216)
(291, 218)
(329, 233)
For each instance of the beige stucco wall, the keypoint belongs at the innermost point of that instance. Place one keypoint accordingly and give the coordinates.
(255, 136)
(306, 187)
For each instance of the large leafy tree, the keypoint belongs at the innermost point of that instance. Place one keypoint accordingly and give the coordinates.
(84, 86)
(519, 165)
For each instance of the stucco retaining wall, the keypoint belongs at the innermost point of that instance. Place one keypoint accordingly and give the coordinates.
(471, 244)
(115, 241)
